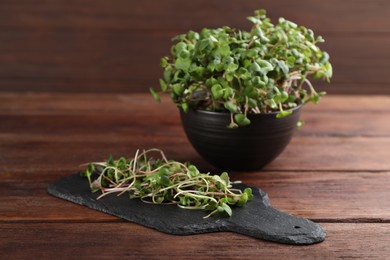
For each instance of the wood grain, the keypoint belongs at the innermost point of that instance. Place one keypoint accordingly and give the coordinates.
(94, 127)
(349, 16)
(115, 47)
(335, 171)
(126, 240)
(363, 196)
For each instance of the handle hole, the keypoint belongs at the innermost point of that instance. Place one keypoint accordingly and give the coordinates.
(297, 227)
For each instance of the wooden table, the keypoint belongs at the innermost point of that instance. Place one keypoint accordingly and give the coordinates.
(336, 171)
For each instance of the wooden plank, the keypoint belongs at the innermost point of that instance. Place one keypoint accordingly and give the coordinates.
(73, 61)
(62, 104)
(124, 240)
(94, 126)
(91, 138)
(363, 196)
(304, 152)
(174, 14)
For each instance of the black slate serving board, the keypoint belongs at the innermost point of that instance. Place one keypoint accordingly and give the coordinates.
(257, 218)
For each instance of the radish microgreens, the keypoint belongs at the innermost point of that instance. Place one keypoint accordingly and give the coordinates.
(165, 181)
(258, 71)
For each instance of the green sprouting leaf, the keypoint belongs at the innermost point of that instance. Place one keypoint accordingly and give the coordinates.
(223, 50)
(182, 64)
(225, 177)
(193, 170)
(198, 72)
(254, 20)
(231, 106)
(164, 181)
(231, 67)
(185, 107)
(255, 67)
(283, 67)
(273, 104)
(251, 53)
(217, 91)
(258, 32)
(242, 200)
(229, 76)
(314, 97)
(228, 92)
(203, 44)
(163, 85)
(284, 113)
(226, 208)
(328, 71)
(324, 58)
(193, 35)
(88, 172)
(184, 54)
(178, 89)
(264, 65)
(167, 75)
(164, 62)
(180, 46)
(243, 73)
(258, 82)
(248, 191)
(283, 96)
(241, 119)
(261, 13)
(291, 61)
(155, 95)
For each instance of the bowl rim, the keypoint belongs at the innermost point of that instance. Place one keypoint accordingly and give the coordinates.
(224, 113)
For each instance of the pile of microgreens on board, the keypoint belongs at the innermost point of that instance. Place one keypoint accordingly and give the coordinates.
(166, 181)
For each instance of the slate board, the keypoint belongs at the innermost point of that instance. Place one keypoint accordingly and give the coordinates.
(257, 218)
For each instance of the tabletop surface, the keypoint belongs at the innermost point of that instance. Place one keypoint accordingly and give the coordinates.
(335, 171)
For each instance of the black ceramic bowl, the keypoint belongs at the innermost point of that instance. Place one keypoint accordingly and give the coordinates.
(244, 148)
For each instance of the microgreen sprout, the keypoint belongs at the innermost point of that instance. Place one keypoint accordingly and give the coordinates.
(258, 71)
(159, 180)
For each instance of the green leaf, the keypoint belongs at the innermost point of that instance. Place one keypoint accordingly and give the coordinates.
(163, 85)
(193, 35)
(223, 49)
(226, 208)
(255, 67)
(203, 44)
(265, 65)
(167, 75)
(225, 177)
(228, 93)
(178, 89)
(242, 200)
(254, 20)
(241, 119)
(284, 113)
(248, 191)
(217, 91)
(284, 96)
(283, 67)
(261, 13)
(164, 62)
(182, 64)
(155, 95)
(257, 31)
(231, 106)
(185, 107)
(273, 104)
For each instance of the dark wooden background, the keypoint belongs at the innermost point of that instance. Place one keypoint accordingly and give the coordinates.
(115, 46)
